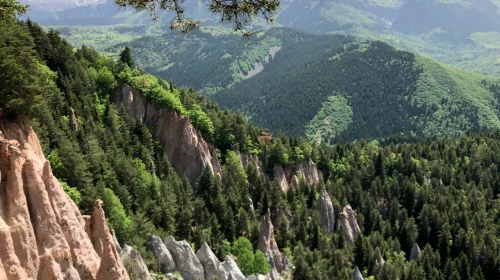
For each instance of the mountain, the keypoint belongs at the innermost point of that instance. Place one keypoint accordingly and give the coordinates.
(278, 205)
(58, 5)
(326, 87)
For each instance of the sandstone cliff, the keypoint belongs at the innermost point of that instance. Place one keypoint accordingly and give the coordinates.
(42, 233)
(326, 211)
(286, 177)
(185, 149)
(268, 246)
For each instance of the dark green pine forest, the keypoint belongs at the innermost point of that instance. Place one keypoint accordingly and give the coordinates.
(326, 88)
(441, 194)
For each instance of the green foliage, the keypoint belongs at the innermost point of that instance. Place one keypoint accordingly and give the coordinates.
(21, 75)
(260, 264)
(73, 193)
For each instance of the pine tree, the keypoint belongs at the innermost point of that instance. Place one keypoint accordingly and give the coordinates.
(126, 57)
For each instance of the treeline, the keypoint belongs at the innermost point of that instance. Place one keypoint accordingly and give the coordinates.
(440, 194)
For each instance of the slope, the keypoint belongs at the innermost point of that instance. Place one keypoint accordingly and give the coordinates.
(379, 91)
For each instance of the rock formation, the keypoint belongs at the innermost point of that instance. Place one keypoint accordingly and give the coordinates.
(115, 241)
(42, 233)
(308, 171)
(180, 140)
(105, 247)
(232, 269)
(415, 252)
(294, 182)
(185, 260)
(211, 265)
(248, 158)
(356, 274)
(349, 224)
(268, 246)
(136, 267)
(73, 124)
(279, 175)
(165, 259)
(378, 261)
(326, 211)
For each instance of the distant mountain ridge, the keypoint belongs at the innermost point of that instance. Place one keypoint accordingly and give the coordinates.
(326, 87)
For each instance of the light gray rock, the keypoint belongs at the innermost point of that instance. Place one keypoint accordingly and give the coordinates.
(356, 274)
(326, 211)
(134, 264)
(185, 260)
(268, 245)
(211, 265)
(349, 224)
(415, 252)
(165, 259)
(378, 261)
(232, 269)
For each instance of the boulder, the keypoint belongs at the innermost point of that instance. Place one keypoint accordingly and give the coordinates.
(232, 269)
(415, 252)
(268, 246)
(136, 267)
(211, 265)
(326, 211)
(356, 274)
(185, 260)
(349, 224)
(165, 259)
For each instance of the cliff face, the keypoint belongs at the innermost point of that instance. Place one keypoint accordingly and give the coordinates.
(188, 152)
(42, 233)
(286, 176)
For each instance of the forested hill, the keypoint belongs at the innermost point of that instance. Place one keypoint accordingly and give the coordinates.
(328, 87)
(441, 195)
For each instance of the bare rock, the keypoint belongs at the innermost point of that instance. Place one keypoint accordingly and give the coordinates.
(136, 267)
(415, 252)
(43, 234)
(326, 211)
(295, 181)
(211, 265)
(165, 259)
(249, 159)
(279, 175)
(232, 269)
(349, 224)
(268, 246)
(188, 152)
(111, 264)
(356, 274)
(185, 260)
(308, 171)
(378, 261)
(73, 124)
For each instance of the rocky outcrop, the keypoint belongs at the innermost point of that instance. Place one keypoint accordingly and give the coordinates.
(188, 152)
(249, 159)
(308, 171)
(279, 175)
(294, 182)
(42, 233)
(211, 265)
(349, 224)
(73, 124)
(136, 267)
(356, 274)
(232, 269)
(185, 260)
(268, 246)
(415, 252)
(111, 265)
(115, 241)
(378, 261)
(326, 211)
(165, 259)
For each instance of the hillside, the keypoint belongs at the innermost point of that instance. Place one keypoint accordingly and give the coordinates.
(328, 87)
(387, 209)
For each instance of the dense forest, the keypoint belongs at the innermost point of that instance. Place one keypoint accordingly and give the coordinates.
(440, 194)
(415, 95)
